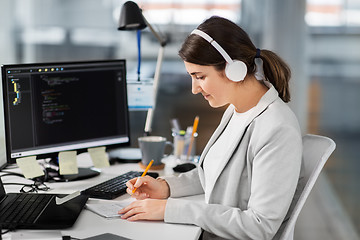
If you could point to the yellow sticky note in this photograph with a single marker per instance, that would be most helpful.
(68, 163)
(29, 167)
(99, 157)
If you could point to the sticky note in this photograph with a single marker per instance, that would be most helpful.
(68, 163)
(29, 167)
(99, 157)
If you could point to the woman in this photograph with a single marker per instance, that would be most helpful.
(249, 169)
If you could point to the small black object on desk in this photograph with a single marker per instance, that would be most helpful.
(184, 167)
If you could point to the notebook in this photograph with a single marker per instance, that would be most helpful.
(38, 210)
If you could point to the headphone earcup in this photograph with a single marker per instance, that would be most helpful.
(236, 71)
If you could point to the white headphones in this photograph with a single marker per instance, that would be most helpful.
(235, 70)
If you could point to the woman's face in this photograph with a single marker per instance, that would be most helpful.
(212, 84)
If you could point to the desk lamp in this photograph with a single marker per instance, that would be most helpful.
(131, 18)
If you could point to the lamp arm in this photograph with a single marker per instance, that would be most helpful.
(160, 39)
(150, 112)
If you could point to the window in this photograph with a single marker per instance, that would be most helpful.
(189, 12)
(333, 13)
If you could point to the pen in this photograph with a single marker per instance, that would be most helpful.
(196, 122)
(144, 173)
(175, 125)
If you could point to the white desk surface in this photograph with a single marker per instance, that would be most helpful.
(90, 224)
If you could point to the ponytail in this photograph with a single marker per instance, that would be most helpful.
(277, 72)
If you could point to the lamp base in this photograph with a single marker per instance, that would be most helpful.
(125, 155)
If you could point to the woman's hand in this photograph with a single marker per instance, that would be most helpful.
(148, 187)
(148, 209)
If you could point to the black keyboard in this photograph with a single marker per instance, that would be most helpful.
(114, 187)
(25, 208)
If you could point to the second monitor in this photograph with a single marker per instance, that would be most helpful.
(54, 107)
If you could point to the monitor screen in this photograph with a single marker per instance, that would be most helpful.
(3, 161)
(54, 107)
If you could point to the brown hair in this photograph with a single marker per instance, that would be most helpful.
(238, 45)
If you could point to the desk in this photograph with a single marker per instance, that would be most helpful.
(90, 224)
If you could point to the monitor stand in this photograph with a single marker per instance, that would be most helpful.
(125, 155)
(84, 173)
(52, 173)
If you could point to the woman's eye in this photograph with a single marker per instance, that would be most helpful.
(200, 77)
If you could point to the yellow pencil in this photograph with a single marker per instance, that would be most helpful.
(144, 173)
(195, 125)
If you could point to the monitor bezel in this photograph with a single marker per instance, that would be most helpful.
(4, 165)
(54, 155)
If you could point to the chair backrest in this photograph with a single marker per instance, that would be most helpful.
(316, 151)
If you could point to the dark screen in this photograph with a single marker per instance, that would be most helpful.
(61, 104)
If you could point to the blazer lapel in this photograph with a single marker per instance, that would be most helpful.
(224, 121)
(270, 96)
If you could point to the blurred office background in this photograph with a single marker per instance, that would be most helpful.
(320, 39)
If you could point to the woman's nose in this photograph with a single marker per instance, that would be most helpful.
(195, 87)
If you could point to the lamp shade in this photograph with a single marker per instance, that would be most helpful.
(131, 17)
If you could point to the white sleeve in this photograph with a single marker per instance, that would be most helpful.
(185, 184)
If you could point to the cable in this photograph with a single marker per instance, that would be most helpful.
(11, 166)
(37, 185)
(4, 232)
(139, 52)
(11, 228)
(7, 173)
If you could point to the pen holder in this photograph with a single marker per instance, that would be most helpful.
(181, 146)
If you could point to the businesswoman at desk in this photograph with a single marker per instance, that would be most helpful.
(249, 169)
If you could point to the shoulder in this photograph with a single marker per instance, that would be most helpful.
(277, 121)
(277, 115)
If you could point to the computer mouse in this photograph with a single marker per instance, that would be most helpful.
(184, 167)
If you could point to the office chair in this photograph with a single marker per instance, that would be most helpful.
(316, 151)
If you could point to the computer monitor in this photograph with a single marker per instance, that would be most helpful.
(3, 161)
(54, 107)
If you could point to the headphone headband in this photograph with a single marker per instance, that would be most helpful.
(235, 70)
(214, 43)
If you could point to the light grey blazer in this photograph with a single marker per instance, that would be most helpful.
(254, 187)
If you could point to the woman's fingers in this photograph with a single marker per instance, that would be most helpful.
(143, 181)
(148, 187)
(136, 217)
(138, 183)
(149, 209)
(128, 212)
(129, 185)
(137, 194)
(127, 208)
